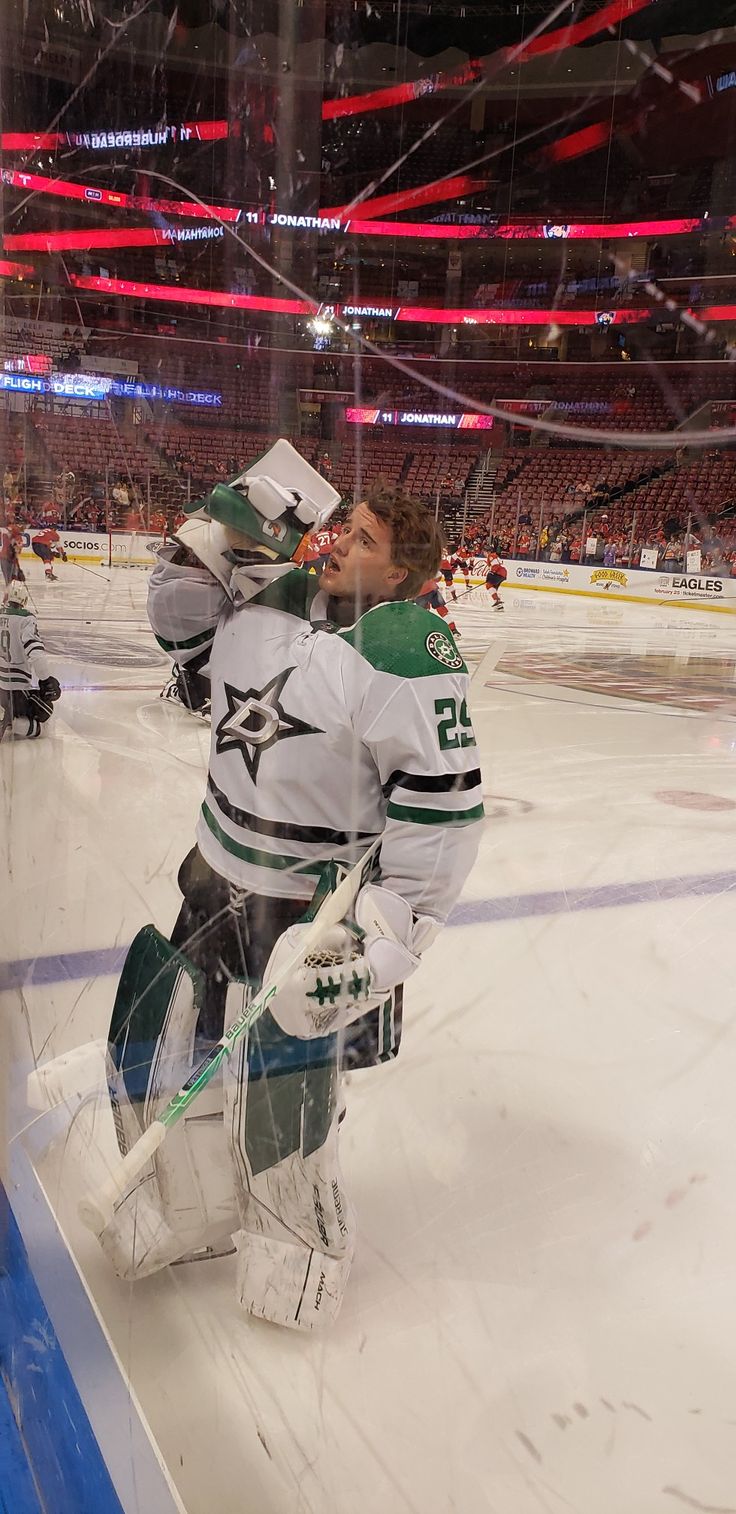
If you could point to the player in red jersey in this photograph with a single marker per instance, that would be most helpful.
(448, 573)
(47, 545)
(495, 576)
(11, 543)
(430, 597)
(460, 565)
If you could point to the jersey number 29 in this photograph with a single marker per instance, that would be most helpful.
(447, 726)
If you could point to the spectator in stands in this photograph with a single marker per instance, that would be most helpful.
(524, 544)
(8, 485)
(120, 495)
(673, 553)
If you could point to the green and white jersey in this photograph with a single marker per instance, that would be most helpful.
(22, 655)
(324, 738)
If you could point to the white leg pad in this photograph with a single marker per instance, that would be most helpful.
(287, 1283)
(138, 1240)
(69, 1078)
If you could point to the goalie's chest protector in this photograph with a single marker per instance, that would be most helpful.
(302, 725)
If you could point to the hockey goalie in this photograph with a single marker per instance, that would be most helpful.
(338, 715)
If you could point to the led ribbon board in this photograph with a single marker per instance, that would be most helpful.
(92, 386)
(100, 141)
(365, 415)
(485, 228)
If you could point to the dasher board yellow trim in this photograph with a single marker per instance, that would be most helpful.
(634, 599)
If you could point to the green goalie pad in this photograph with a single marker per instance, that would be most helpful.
(158, 1001)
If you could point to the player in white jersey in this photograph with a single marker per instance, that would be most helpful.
(339, 714)
(27, 690)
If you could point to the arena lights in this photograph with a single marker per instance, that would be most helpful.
(363, 415)
(472, 72)
(149, 136)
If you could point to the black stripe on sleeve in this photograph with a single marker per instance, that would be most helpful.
(283, 830)
(432, 783)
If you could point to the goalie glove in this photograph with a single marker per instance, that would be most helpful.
(329, 990)
(49, 689)
(271, 506)
(352, 971)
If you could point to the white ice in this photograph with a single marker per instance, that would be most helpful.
(540, 1318)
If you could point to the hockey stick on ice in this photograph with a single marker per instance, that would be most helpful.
(96, 1210)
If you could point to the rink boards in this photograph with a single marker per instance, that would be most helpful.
(102, 549)
(692, 591)
(688, 591)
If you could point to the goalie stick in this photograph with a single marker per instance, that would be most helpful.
(96, 1210)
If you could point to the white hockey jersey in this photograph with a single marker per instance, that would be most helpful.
(23, 658)
(323, 738)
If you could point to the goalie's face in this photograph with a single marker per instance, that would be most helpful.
(360, 567)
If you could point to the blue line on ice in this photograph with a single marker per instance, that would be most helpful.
(106, 960)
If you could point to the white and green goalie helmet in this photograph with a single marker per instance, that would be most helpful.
(276, 501)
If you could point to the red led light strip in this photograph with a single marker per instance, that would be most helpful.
(68, 190)
(564, 36)
(182, 296)
(33, 141)
(14, 270)
(84, 241)
(510, 231)
(578, 143)
(422, 314)
(408, 199)
(433, 315)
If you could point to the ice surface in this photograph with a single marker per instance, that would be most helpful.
(539, 1314)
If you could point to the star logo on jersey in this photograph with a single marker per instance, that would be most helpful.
(256, 720)
(443, 650)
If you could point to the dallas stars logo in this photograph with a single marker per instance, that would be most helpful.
(443, 650)
(256, 720)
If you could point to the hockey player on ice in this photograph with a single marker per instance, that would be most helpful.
(47, 545)
(11, 545)
(460, 564)
(24, 709)
(430, 597)
(495, 574)
(448, 573)
(339, 714)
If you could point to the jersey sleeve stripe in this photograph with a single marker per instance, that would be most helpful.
(258, 859)
(432, 783)
(191, 641)
(284, 830)
(434, 817)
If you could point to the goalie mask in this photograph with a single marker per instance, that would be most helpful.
(16, 594)
(276, 501)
